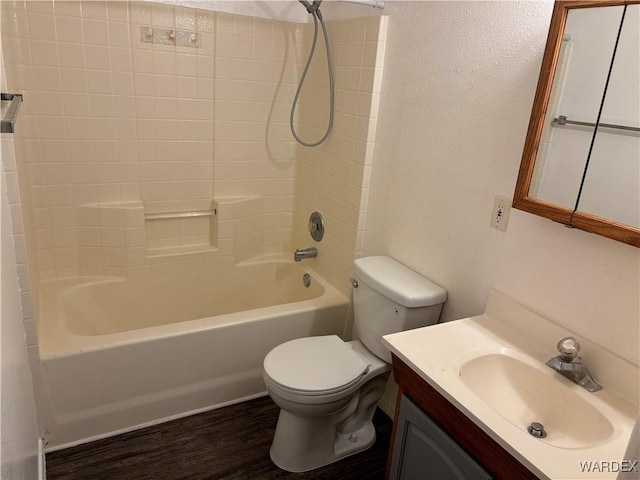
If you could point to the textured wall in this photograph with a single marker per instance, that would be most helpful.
(19, 434)
(455, 104)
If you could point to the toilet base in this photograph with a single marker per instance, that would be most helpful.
(352, 443)
(303, 443)
(325, 447)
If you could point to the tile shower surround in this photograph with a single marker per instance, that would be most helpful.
(108, 119)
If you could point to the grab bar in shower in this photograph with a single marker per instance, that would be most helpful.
(168, 215)
(9, 116)
(563, 120)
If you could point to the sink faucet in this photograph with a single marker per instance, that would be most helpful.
(305, 253)
(569, 364)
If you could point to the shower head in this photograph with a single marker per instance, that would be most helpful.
(311, 7)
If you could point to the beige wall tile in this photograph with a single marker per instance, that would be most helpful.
(41, 52)
(95, 32)
(68, 29)
(119, 34)
(135, 121)
(41, 26)
(68, 8)
(95, 9)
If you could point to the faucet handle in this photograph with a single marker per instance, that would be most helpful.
(568, 348)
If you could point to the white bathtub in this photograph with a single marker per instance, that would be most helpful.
(117, 354)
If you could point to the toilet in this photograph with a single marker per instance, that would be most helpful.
(327, 389)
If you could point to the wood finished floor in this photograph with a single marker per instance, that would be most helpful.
(228, 443)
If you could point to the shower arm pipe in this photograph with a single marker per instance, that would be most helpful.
(371, 3)
(313, 6)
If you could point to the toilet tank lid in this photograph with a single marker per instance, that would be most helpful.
(398, 283)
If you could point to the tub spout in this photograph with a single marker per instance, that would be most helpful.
(305, 253)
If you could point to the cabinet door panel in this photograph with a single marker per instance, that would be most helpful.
(423, 451)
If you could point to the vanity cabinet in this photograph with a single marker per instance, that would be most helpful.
(422, 417)
(423, 450)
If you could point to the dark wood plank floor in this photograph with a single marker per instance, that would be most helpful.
(228, 443)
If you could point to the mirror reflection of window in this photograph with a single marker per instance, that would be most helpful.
(583, 65)
(612, 183)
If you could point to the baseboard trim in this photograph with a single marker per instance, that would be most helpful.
(42, 464)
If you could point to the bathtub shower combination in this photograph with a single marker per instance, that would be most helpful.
(119, 353)
(162, 196)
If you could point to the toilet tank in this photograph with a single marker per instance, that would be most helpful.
(390, 298)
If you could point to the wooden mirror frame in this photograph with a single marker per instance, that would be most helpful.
(521, 199)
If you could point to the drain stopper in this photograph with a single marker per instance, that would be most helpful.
(536, 430)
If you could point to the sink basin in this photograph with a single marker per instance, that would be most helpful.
(491, 367)
(523, 393)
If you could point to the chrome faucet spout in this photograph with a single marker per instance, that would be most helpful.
(569, 364)
(310, 252)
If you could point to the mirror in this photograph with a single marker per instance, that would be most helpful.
(581, 159)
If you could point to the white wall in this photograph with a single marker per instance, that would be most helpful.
(18, 430)
(456, 97)
(18, 426)
(289, 10)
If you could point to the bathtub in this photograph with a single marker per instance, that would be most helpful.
(121, 353)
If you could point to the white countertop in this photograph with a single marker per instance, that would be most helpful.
(437, 352)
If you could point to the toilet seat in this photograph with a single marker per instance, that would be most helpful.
(315, 366)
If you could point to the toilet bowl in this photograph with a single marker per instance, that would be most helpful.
(324, 416)
(327, 389)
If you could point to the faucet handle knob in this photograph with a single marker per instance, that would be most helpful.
(568, 348)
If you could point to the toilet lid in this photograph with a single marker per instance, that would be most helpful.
(314, 364)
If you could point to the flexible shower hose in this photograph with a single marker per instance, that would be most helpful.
(316, 16)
